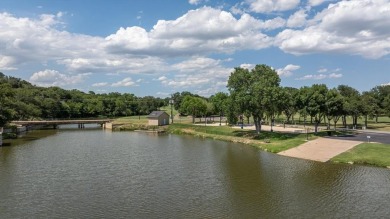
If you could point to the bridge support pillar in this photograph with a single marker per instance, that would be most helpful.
(55, 126)
(81, 125)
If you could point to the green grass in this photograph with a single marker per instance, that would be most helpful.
(269, 141)
(367, 153)
(131, 120)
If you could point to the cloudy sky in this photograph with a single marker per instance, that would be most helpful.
(158, 47)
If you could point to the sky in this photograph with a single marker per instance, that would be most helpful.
(159, 47)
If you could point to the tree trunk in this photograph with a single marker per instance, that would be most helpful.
(335, 122)
(365, 121)
(328, 125)
(316, 127)
(376, 118)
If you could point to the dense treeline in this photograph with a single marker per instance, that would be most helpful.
(255, 94)
(21, 100)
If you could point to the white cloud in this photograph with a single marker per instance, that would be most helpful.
(194, 2)
(315, 2)
(288, 70)
(201, 31)
(127, 82)
(101, 84)
(55, 78)
(322, 70)
(198, 72)
(320, 76)
(264, 6)
(274, 23)
(298, 19)
(247, 66)
(334, 75)
(351, 27)
(388, 84)
(7, 63)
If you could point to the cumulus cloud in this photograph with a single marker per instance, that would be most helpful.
(54, 78)
(247, 66)
(274, 23)
(315, 2)
(198, 72)
(201, 31)
(127, 82)
(194, 2)
(320, 76)
(298, 19)
(351, 27)
(288, 70)
(265, 6)
(101, 84)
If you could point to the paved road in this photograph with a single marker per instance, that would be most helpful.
(383, 138)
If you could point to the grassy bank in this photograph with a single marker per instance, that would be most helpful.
(366, 153)
(269, 141)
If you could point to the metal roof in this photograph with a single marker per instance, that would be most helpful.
(156, 114)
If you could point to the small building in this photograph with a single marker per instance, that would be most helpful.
(158, 118)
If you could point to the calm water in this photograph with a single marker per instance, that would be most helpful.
(102, 174)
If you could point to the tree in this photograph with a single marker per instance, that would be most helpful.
(194, 106)
(352, 104)
(316, 103)
(251, 90)
(6, 111)
(334, 107)
(288, 103)
(219, 101)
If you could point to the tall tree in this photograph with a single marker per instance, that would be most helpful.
(250, 90)
(288, 102)
(219, 101)
(316, 107)
(194, 106)
(334, 106)
(352, 104)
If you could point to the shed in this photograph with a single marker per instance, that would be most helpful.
(158, 118)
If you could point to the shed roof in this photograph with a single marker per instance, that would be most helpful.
(156, 114)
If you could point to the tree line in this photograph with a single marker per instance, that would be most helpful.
(254, 93)
(257, 94)
(20, 100)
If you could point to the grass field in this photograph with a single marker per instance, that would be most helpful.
(269, 141)
(366, 153)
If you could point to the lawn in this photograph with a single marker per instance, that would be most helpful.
(366, 153)
(269, 141)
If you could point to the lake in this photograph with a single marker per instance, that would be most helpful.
(92, 173)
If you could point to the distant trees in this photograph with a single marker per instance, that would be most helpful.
(254, 93)
(194, 106)
(6, 110)
(20, 100)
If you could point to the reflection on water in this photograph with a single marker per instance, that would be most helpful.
(70, 173)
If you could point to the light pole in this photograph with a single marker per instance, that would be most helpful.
(171, 102)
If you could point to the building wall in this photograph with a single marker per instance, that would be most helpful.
(153, 122)
(162, 120)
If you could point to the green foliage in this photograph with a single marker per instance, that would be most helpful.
(194, 106)
(366, 153)
(255, 91)
(21, 100)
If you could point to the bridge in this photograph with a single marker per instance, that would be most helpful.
(56, 123)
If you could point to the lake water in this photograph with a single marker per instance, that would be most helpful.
(92, 173)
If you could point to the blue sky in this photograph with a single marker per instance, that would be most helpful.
(158, 47)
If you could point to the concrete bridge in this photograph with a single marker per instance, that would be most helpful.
(56, 123)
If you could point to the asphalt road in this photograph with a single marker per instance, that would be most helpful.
(383, 138)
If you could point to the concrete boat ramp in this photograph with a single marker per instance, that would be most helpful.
(320, 149)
